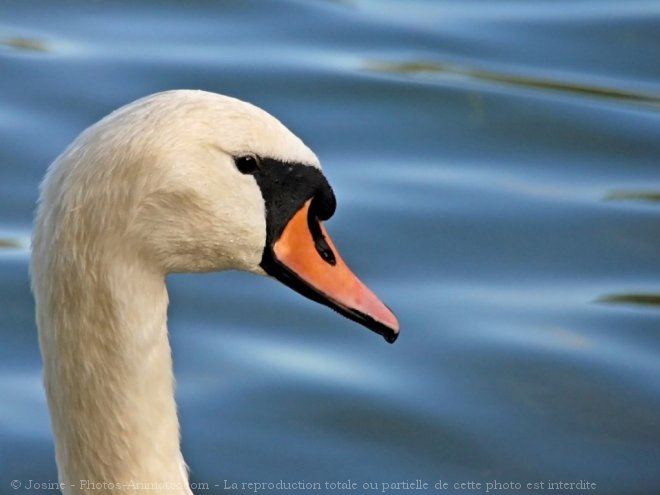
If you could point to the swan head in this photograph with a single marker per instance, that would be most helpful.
(192, 181)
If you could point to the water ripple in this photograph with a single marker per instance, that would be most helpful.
(25, 414)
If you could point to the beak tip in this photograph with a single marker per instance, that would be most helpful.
(392, 328)
(390, 332)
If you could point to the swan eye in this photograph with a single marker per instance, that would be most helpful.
(247, 164)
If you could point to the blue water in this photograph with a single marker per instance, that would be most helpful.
(497, 169)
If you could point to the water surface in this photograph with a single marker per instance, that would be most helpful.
(496, 166)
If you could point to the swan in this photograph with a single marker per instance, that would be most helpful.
(179, 181)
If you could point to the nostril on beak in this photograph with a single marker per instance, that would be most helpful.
(324, 250)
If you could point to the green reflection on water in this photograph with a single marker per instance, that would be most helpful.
(638, 299)
(10, 244)
(423, 67)
(24, 44)
(643, 196)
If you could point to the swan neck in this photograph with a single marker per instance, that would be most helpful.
(108, 376)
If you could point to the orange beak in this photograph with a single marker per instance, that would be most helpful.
(309, 263)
